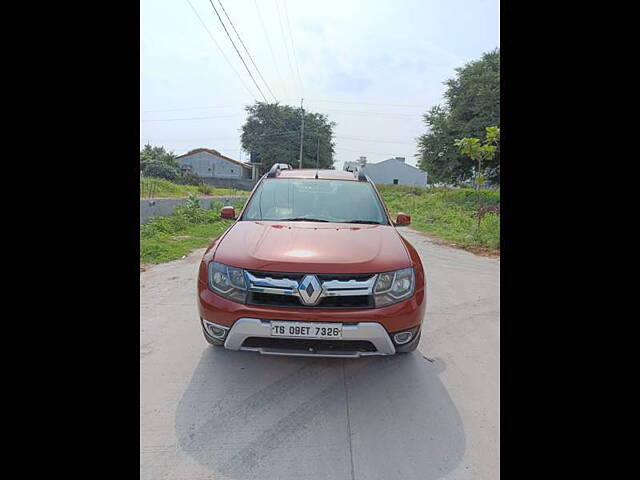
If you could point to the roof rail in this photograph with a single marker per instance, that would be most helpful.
(359, 174)
(275, 169)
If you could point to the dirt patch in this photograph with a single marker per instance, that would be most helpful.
(145, 266)
(476, 250)
(181, 237)
(482, 251)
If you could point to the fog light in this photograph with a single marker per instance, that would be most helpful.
(214, 330)
(402, 337)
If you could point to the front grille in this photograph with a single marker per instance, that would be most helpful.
(269, 299)
(343, 290)
(307, 344)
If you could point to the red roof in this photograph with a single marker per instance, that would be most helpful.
(216, 153)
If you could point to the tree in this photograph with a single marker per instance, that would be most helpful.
(272, 131)
(472, 101)
(151, 154)
(479, 151)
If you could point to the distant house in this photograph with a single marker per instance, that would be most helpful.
(209, 163)
(393, 171)
(353, 166)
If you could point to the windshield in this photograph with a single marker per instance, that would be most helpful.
(295, 199)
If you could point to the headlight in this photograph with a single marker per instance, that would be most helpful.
(228, 281)
(392, 287)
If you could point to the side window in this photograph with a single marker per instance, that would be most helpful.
(395, 181)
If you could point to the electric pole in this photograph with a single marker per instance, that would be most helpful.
(301, 130)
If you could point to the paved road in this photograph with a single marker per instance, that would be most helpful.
(210, 413)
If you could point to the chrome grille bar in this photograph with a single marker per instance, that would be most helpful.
(278, 286)
(335, 288)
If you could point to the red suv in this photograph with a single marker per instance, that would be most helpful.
(312, 266)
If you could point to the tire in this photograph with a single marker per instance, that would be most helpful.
(409, 347)
(212, 341)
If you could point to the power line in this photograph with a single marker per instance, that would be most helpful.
(237, 51)
(293, 49)
(368, 153)
(365, 113)
(284, 40)
(246, 50)
(273, 56)
(191, 118)
(372, 140)
(365, 103)
(351, 112)
(221, 51)
(188, 108)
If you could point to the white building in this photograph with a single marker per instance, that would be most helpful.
(393, 171)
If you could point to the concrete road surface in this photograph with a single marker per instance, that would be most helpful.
(209, 413)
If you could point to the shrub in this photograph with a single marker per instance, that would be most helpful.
(205, 189)
(189, 178)
(162, 170)
(216, 206)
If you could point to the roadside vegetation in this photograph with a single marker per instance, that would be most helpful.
(161, 177)
(189, 227)
(449, 213)
(161, 188)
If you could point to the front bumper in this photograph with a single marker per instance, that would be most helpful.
(375, 333)
(394, 318)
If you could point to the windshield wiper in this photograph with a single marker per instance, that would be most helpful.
(301, 219)
(371, 222)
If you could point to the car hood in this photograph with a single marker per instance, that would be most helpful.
(312, 247)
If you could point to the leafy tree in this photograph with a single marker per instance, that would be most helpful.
(156, 154)
(472, 101)
(272, 131)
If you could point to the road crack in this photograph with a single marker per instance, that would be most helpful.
(346, 392)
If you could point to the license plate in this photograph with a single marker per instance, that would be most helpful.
(306, 330)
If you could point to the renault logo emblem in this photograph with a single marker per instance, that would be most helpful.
(309, 290)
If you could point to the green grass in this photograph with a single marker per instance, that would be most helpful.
(160, 188)
(189, 227)
(447, 213)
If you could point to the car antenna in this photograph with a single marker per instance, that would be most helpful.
(318, 158)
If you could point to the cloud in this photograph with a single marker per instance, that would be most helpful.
(347, 83)
(313, 27)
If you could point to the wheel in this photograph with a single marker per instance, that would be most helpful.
(213, 341)
(409, 347)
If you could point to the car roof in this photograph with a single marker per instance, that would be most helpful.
(322, 174)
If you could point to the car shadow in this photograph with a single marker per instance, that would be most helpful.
(245, 415)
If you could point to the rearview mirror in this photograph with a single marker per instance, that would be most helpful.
(228, 212)
(402, 220)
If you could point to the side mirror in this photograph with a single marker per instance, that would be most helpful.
(228, 212)
(402, 220)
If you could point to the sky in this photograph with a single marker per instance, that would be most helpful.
(373, 66)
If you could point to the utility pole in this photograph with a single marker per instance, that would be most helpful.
(301, 131)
